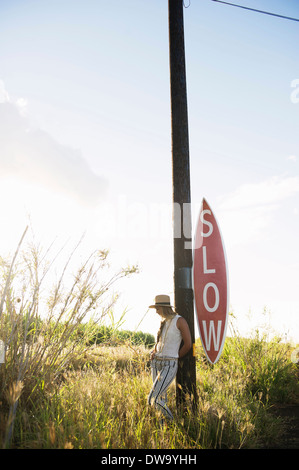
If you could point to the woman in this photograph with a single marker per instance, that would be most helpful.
(164, 357)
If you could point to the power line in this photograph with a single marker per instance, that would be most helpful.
(257, 11)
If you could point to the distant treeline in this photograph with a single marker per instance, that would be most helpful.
(106, 334)
(90, 333)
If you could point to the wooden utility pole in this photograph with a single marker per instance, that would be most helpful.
(183, 293)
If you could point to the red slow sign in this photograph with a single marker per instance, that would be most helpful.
(210, 283)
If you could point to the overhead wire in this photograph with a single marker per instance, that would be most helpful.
(257, 11)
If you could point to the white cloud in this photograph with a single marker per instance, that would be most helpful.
(4, 97)
(36, 157)
(20, 103)
(292, 158)
(266, 193)
(247, 212)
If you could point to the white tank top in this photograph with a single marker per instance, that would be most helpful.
(170, 340)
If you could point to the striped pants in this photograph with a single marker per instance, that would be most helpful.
(163, 373)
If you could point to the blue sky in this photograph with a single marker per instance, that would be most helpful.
(85, 140)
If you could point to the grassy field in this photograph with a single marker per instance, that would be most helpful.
(60, 389)
(99, 401)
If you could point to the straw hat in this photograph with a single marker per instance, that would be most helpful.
(161, 301)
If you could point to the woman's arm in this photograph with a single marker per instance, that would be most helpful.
(186, 336)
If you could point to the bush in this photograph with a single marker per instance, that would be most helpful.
(110, 335)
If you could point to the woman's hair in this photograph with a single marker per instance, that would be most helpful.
(167, 313)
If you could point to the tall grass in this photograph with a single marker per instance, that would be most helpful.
(40, 327)
(101, 402)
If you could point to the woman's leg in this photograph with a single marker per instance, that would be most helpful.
(163, 373)
(156, 367)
